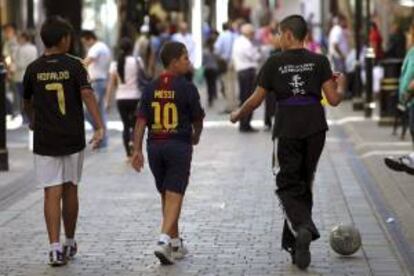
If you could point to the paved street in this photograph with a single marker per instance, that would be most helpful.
(231, 218)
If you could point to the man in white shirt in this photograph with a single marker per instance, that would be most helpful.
(26, 53)
(98, 59)
(246, 58)
(338, 47)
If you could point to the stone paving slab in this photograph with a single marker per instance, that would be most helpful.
(231, 218)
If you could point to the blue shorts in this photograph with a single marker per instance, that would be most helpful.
(170, 163)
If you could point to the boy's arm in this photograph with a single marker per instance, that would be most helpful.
(89, 99)
(197, 129)
(334, 89)
(248, 106)
(28, 109)
(28, 97)
(112, 83)
(137, 156)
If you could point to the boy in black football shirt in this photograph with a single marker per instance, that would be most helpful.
(55, 85)
(170, 108)
(297, 77)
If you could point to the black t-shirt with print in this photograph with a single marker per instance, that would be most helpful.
(55, 83)
(296, 77)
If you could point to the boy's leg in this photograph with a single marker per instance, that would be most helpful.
(292, 192)
(52, 211)
(315, 145)
(174, 233)
(172, 210)
(70, 209)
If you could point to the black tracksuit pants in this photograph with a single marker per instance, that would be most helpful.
(298, 159)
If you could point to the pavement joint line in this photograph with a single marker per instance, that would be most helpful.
(351, 217)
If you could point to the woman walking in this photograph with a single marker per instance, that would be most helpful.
(124, 79)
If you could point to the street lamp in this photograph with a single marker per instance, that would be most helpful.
(4, 163)
(369, 66)
(357, 87)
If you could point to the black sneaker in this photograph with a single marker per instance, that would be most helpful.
(400, 164)
(302, 253)
(56, 258)
(70, 251)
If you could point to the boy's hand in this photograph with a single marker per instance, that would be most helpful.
(234, 116)
(107, 105)
(340, 80)
(31, 125)
(137, 161)
(97, 138)
(195, 139)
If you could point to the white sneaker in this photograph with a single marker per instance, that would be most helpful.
(180, 251)
(56, 258)
(163, 253)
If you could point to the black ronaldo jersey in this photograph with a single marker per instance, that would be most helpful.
(54, 82)
(169, 106)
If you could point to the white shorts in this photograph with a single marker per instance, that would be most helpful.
(56, 170)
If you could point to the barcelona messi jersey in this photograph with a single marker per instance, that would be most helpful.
(170, 105)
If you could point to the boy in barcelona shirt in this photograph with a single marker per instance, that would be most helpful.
(170, 109)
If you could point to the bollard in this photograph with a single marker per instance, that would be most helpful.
(4, 156)
(389, 91)
(369, 66)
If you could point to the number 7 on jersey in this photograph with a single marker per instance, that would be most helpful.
(58, 87)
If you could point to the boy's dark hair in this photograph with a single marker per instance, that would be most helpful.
(170, 51)
(297, 25)
(53, 30)
(88, 34)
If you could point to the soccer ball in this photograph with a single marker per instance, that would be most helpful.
(345, 239)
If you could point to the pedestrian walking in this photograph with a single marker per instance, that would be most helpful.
(246, 58)
(297, 77)
(170, 108)
(210, 64)
(26, 53)
(270, 100)
(123, 76)
(223, 48)
(98, 59)
(9, 49)
(339, 48)
(55, 85)
(406, 96)
(186, 38)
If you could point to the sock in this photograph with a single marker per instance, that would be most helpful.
(164, 238)
(56, 246)
(176, 242)
(70, 242)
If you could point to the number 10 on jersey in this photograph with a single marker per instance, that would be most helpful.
(169, 114)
